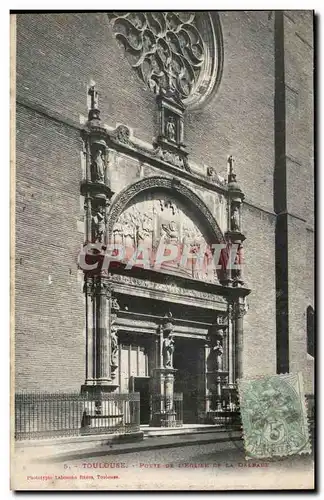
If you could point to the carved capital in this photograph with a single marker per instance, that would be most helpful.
(101, 286)
(239, 310)
(88, 288)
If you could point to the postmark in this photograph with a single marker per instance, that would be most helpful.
(274, 416)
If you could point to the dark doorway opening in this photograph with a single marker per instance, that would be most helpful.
(186, 362)
(141, 385)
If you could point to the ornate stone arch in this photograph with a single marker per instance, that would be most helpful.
(188, 197)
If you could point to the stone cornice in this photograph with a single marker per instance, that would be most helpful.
(127, 145)
(142, 277)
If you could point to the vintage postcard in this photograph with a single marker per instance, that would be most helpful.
(162, 208)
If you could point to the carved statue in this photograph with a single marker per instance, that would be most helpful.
(170, 231)
(99, 225)
(128, 225)
(114, 304)
(94, 97)
(114, 346)
(98, 165)
(144, 230)
(235, 219)
(168, 350)
(218, 350)
(171, 129)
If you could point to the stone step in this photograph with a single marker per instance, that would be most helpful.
(176, 431)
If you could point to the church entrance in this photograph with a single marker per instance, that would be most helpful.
(141, 385)
(186, 362)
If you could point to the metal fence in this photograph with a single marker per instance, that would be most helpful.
(224, 413)
(166, 411)
(47, 415)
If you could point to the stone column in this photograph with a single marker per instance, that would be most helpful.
(168, 392)
(87, 218)
(90, 330)
(216, 375)
(230, 345)
(102, 301)
(239, 311)
(114, 347)
(163, 383)
(101, 335)
(207, 392)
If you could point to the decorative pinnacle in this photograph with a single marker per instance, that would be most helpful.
(230, 161)
(231, 177)
(94, 113)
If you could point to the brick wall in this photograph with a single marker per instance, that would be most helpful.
(49, 319)
(298, 29)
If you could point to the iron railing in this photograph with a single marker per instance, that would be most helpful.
(49, 415)
(220, 413)
(166, 411)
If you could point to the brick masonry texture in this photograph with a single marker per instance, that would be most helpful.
(49, 302)
(57, 56)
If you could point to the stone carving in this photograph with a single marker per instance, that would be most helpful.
(114, 346)
(98, 224)
(98, 164)
(214, 177)
(169, 232)
(175, 159)
(144, 229)
(94, 112)
(167, 325)
(149, 183)
(128, 222)
(133, 227)
(101, 286)
(122, 134)
(88, 287)
(218, 350)
(171, 129)
(165, 48)
(235, 219)
(239, 309)
(94, 97)
(114, 304)
(178, 52)
(168, 204)
(168, 350)
(166, 287)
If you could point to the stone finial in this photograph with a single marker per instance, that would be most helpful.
(94, 113)
(231, 177)
(230, 161)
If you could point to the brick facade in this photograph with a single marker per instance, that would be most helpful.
(57, 56)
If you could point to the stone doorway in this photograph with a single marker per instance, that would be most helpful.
(141, 385)
(187, 377)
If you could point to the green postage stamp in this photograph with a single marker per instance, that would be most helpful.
(274, 416)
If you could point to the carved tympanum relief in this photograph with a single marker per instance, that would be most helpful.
(161, 219)
(177, 51)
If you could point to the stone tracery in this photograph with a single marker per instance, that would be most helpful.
(167, 50)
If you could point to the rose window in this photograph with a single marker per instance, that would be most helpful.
(180, 51)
